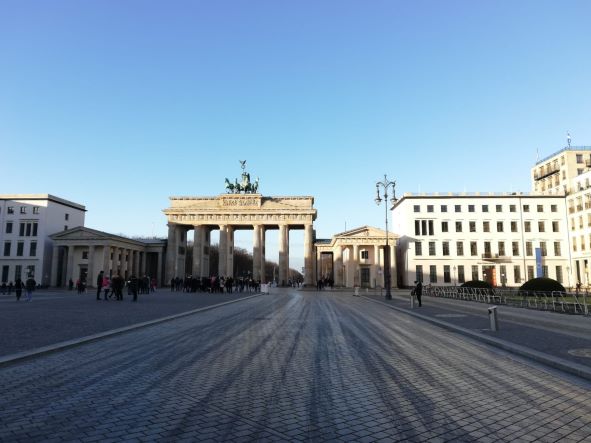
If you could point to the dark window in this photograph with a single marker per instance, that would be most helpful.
(512, 208)
(515, 248)
(28, 234)
(470, 208)
(419, 273)
(525, 208)
(20, 248)
(433, 274)
(416, 208)
(472, 225)
(444, 227)
(446, 275)
(458, 208)
(33, 249)
(35, 209)
(364, 255)
(458, 226)
(417, 227)
(529, 251)
(486, 226)
(554, 226)
(23, 209)
(473, 249)
(443, 208)
(484, 208)
(10, 210)
(21, 230)
(67, 217)
(460, 248)
(431, 227)
(553, 208)
(418, 248)
(499, 226)
(461, 277)
(499, 208)
(501, 246)
(540, 208)
(445, 248)
(9, 227)
(541, 226)
(517, 274)
(431, 248)
(429, 208)
(527, 226)
(34, 229)
(513, 226)
(7, 248)
(84, 255)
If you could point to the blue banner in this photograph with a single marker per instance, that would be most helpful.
(539, 271)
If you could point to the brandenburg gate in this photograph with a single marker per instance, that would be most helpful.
(228, 213)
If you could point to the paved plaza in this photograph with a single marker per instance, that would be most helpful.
(289, 366)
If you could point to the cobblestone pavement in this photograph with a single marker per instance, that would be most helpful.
(58, 315)
(290, 367)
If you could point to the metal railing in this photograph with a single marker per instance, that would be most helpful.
(564, 302)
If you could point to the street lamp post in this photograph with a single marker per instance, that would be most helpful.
(385, 184)
(454, 268)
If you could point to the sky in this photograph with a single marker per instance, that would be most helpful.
(119, 105)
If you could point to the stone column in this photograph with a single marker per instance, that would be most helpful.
(230, 253)
(70, 265)
(205, 256)
(90, 280)
(223, 252)
(283, 254)
(256, 253)
(54, 265)
(106, 259)
(171, 254)
(144, 258)
(159, 281)
(136, 263)
(338, 266)
(308, 255)
(124, 266)
(198, 251)
(182, 252)
(393, 276)
(356, 279)
(263, 261)
(377, 266)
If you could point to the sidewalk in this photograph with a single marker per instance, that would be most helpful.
(66, 317)
(559, 340)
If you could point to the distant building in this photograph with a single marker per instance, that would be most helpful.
(505, 239)
(26, 224)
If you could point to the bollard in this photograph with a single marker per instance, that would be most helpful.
(494, 321)
(356, 291)
(412, 301)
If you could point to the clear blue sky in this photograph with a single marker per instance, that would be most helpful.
(120, 104)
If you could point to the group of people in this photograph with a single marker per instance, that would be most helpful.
(325, 282)
(113, 287)
(29, 286)
(214, 284)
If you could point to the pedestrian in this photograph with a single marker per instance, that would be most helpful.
(3, 288)
(18, 287)
(117, 284)
(99, 286)
(30, 287)
(70, 284)
(133, 286)
(419, 292)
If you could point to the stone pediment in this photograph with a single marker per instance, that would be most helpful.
(81, 233)
(364, 232)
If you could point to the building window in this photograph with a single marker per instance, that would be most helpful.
(443, 208)
(527, 226)
(487, 249)
(444, 226)
(445, 248)
(499, 208)
(501, 246)
(513, 226)
(515, 248)
(20, 248)
(33, 249)
(429, 208)
(431, 248)
(35, 209)
(557, 251)
(421, 227)
(65, 227)
(559, 274)
(7, 248)
(364, 254)
(503, 270)
(5, 271)
(579, 171)
(10, 210)
(458, 226)
(541, 226)
(472, 226)
(18, 271)
(84, 255)
(31, 271)
(499, 226)
(516, 274)
(554, 208)
(458, 208)
(34, 229)
(540, 208)
(529, 250)
(512, 208)
(545, 271)
(486, 226)
(579, 158)
(416, 208)
(530, 272)
(419, 273)
(417, 227)
(418, 248)
(432, 274)
(21, 230)
(23, 209)
(446, 274)
(9, 227)
(473, 249)
(460, 248)
(461, 277)
(543, 248)
(555, 226)
(484, 208)
(474, 272)
(525, 208)
(470, 208)
(66, 217)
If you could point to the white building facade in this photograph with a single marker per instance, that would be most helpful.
(26, 223)
(505, 239)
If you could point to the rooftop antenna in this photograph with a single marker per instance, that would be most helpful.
(537, 155)
(568, 138)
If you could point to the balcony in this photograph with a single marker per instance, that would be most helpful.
(487, 256)
(548, 173)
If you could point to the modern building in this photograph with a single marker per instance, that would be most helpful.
(554, 174)
(356, 258)
(505, 239)
(26, 223)
(81, 253)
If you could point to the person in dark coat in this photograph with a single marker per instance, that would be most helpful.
(419, 292)
(18, 287)
(30, 286)
(117, 284)
(99, 286)
(133, 286)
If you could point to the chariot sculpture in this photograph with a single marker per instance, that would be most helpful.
(245, 184)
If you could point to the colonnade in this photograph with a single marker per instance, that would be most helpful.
(177, 247)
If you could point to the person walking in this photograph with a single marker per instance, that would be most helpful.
(99, 286)
(30, 287)
(419, 292)
(133, 286)
(18, 287)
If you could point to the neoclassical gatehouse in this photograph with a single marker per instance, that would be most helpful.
(356, 257)
(81, 253)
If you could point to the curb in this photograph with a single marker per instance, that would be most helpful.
(25, 355)
(540, 357)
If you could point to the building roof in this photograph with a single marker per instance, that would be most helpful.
(48, 197)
